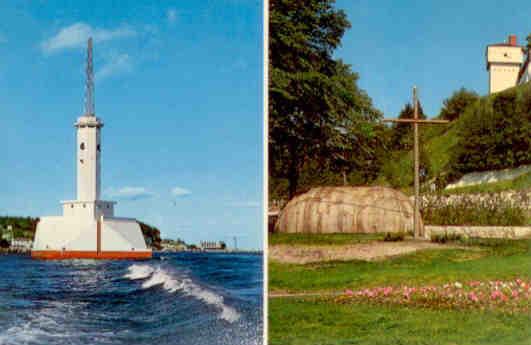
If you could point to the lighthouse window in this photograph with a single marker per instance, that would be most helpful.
(98, 148)
(82, 146)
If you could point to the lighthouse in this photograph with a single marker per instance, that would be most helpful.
(88, 228)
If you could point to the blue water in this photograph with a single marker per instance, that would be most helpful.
(181, 298)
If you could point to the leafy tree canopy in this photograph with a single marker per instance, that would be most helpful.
(495, 132)
(316, 110)
(402, 133)
(456, 104)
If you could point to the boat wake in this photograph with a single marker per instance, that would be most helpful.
(157, 276)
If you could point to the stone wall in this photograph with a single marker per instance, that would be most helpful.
(480, 231)
(516, 198)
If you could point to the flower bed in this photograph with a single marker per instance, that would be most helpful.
(507, 296)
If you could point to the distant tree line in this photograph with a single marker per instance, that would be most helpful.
(151, 235)
(25, 227)
(22, 227)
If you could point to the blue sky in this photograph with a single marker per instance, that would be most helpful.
(437, 45)
(179, 87)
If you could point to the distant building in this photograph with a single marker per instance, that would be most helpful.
(213, 245)
(171, 245)
(23, 244)
(508, 65)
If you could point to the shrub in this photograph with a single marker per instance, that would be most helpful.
(490, 210)
(446, 237)
(394, 236)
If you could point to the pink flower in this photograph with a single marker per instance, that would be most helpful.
(472, 296)
(349, 292)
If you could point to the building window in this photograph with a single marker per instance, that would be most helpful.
(71, 205)
(84, 205)
(82, 146)
(98, 148)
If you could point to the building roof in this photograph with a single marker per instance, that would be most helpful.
(505, 44)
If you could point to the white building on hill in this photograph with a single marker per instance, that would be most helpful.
(508, 65)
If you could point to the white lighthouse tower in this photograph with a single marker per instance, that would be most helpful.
(88, 228)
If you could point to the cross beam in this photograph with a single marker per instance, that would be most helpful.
(415, 121)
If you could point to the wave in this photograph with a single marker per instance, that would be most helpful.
(160, 277)
(139, 272)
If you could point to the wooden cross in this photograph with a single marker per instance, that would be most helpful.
(417, 230)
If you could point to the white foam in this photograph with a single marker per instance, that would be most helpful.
(139, 272)
(159, 276)
(40, 325)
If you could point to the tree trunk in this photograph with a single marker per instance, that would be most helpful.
(293, 179)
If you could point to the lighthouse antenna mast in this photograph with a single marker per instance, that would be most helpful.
(89, 83)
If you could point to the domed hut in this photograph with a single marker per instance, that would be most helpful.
(349, 210)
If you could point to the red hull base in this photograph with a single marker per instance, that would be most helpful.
(73, 254)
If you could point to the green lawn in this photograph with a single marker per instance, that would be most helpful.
(323, 239)
(485, 259)
(310, 321)
(321, 320)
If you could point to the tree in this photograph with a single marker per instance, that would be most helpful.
(402, 133)
(528, 46)
(456, 104)
(494, 133)
(316, 110)
(4, 244)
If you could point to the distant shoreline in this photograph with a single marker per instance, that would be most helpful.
(18, 252)
(252, 252)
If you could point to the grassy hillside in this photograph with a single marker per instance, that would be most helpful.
(440, 144)
(522, 182)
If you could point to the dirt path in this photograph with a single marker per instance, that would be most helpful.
(373, 251)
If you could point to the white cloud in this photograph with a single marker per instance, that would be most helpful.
(117, 64)
(171, 16)
(179, 192)
(76, 35)
(129, 193)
